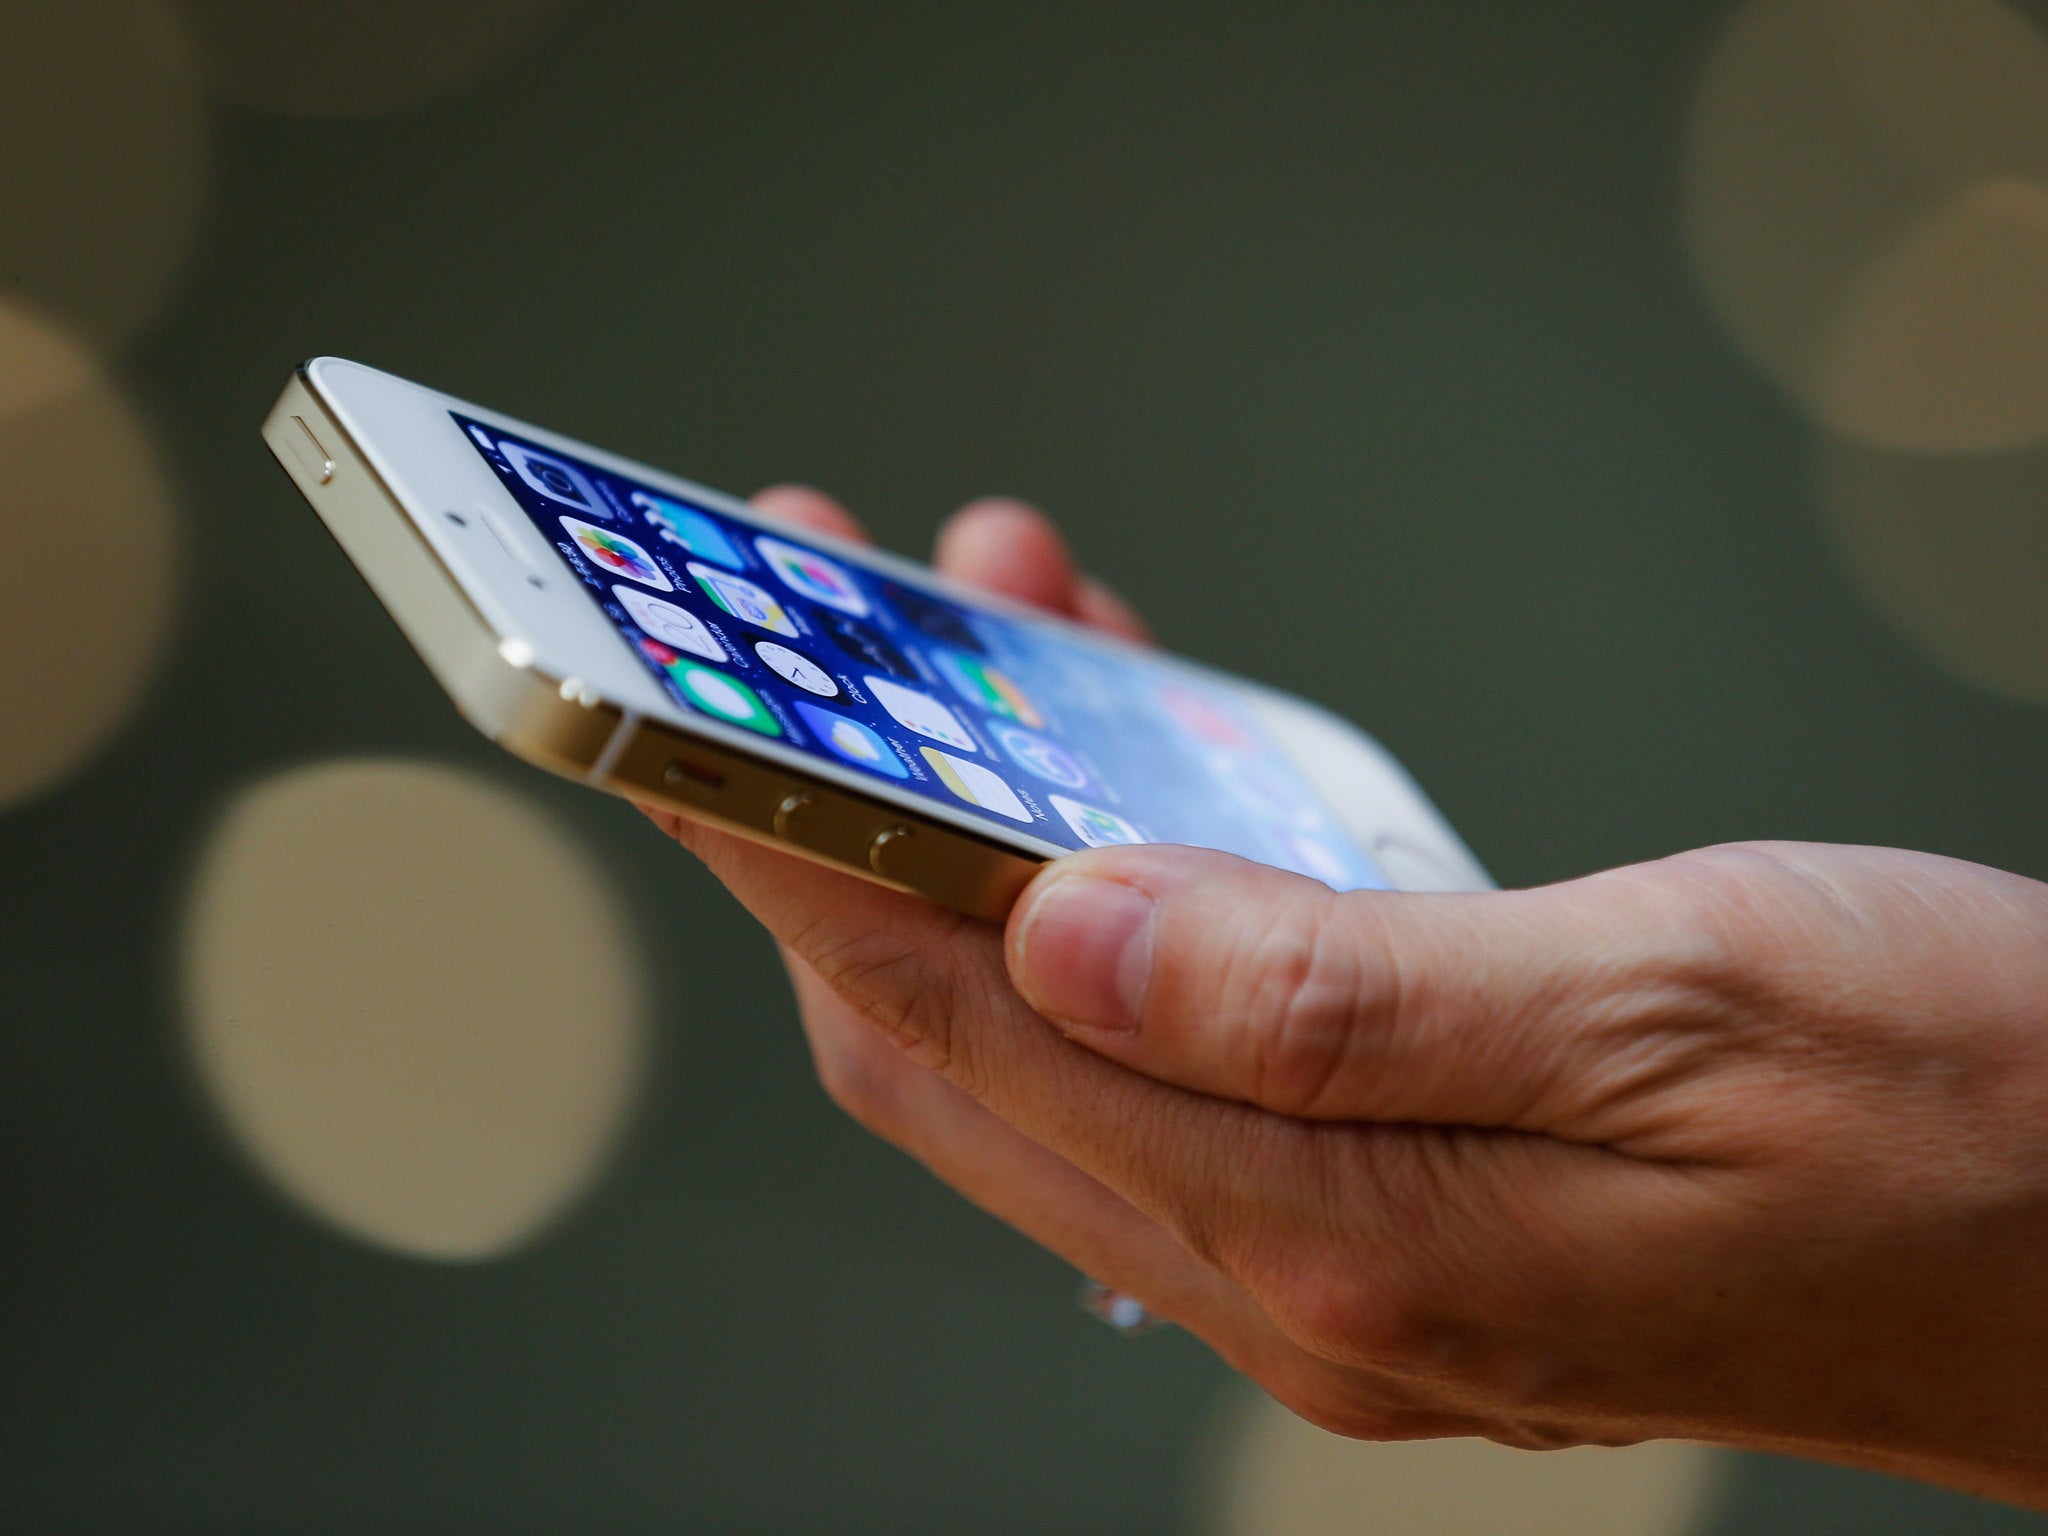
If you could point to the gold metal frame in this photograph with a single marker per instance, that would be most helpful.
(563, 727)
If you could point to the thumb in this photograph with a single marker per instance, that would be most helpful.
(1530, 1010)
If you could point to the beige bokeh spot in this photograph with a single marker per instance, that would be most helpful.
(1280, 1476)
(1941, 345)
(355, 58)
(415, 1002)
(1953, 550)
(103, 172)
(88, 556)
(1863, 206)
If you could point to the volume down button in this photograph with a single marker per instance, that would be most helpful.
(886, 853)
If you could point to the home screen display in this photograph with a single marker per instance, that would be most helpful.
(1012, 722)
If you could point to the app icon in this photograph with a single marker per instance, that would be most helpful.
(975, 784)
(1205, 719)
(811, 574)
(618, 554)
(1041, 756)
(796, 667)
(688, 529)
(866, 643)
(556, 479)
(742, 599)
(669, 624)
(921, 713)
(726, 697)
(940, 620)
(1095, 826)
(852, 740)
(979, 683)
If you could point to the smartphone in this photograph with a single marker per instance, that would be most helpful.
(651, 637)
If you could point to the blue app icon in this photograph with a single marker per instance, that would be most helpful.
(1040, 755)
(689, 530)
(853, 741)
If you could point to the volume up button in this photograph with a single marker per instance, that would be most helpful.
(787, 812)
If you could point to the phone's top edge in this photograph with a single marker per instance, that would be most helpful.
(320, 362)
(734, 505)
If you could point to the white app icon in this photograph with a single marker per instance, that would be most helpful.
(802, 570)
(554, 478)
(922, 713)
(975, 784)
(796, 667)
(1095, 826)
(742, 599)
(671, 625)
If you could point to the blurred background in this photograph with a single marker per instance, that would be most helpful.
(1636, 415)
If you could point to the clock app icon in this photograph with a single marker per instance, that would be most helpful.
(795, 667)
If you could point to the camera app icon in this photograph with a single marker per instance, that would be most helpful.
(554, 478)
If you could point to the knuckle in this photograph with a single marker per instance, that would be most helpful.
(1340, 1317)
(1700, 978)
(1721, 916)
(1307, 1004)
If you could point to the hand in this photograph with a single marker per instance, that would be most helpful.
(1746, 1145)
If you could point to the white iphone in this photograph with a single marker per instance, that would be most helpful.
(662, 641)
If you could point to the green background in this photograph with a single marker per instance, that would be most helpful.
(1353, 342)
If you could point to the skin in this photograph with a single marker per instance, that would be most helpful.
(1748, 1145)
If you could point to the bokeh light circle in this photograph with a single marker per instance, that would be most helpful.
(354, 58)
(104, 170)
(1281, 1476)
(88, 556)
(1941, 345)
(415, 1002)
(1863, 206)
(1954, 550)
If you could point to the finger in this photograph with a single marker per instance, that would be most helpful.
(808, 508)
(1009, 547)
(934, 982)
(1516, 1010)
(1020, 1182)
(1100, 608)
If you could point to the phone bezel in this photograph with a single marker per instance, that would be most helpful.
(407, 434)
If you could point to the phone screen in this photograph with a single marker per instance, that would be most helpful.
(1016, 723)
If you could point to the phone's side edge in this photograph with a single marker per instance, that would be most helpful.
(770, 805)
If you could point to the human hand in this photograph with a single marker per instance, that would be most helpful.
(1746, 1145)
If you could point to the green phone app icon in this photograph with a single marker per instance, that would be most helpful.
(726, 697)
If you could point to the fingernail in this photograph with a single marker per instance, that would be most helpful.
(1085, 952)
